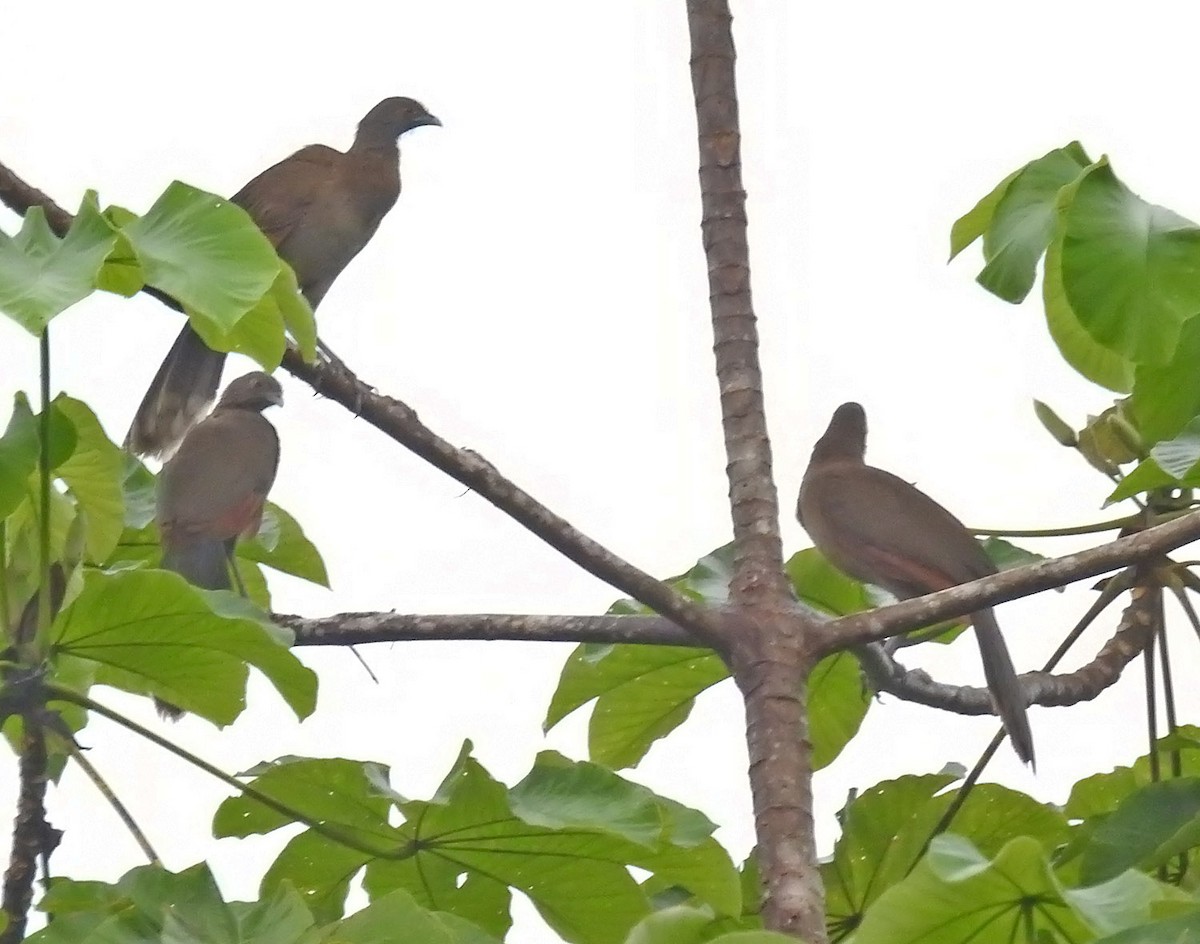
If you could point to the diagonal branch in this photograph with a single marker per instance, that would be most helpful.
(400, 422)
(754, 503)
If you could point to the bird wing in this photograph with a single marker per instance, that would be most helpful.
(881, 529)
(278, 198)
(215, 485)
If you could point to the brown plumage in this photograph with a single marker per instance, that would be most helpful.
(880, 529)
(319, 208)
(212, 491)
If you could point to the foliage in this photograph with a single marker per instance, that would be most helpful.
(603, 859)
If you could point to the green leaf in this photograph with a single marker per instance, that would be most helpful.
(281, 918)
(1088, 356)
(1150, 827)
(577, 879)
(94, 474)
(956, 895)
(1062, 431)
(1006, 555)
(1166, 396)
(1129, 268)
(686, 924)
(205, 252)
(297, 315)
(336, 792)
(819, 584)
(642, 693)
(886, 828)
(1181, 929)
(1023, 222)
(1146, 476)
(151, 631)
(396, 918)
(41, 275)
(281, 544)
(152, 904)
(1177, 457)
(565, 837)
(838, 700)
(975, 222)
(18, 455)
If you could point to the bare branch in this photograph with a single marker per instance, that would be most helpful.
(346, 629)
(754, 503)
(874, 625)
(400, 422)
(1135, 632)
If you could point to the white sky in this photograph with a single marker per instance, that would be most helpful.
(539, 295)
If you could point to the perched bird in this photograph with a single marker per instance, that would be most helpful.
(211, 492)
(880, 529)
(318, 208)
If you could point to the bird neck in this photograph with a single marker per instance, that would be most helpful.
(376, 140)
(836, 449)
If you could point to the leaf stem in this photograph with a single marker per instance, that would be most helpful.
(58, 693)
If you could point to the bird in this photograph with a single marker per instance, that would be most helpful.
(212, 490)
(879, 529)
(319, 208)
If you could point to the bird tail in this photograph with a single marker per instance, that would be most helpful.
(167, 711)
(185, 384)
(1007, 693)
(202, 563)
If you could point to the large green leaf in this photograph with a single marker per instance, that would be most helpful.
(956, 894)
(1089, 357)
(885, 830)
(1181, 929)
(282, 544)
(151, 904)
(642, 693)
(1150, 827)
(152, 632)
(205, 252)
(1129, 268)
(1166, 396)
(1023, 220)
(396, 918)
(94, 473)
(685, 924)
(42, 275)
(564, 837)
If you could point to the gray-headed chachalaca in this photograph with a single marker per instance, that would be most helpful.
(880, 529)
(211, 492)
(318, 207)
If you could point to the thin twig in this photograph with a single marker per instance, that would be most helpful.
(114, 801)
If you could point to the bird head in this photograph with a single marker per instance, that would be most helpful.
(253, 391)
(394, 116)
(846, 435)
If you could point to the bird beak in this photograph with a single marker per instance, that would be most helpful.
(277, 399)
(427, 120)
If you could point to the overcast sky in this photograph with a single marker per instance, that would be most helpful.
(539, 295)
